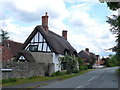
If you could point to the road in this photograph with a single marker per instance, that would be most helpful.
(102, 78)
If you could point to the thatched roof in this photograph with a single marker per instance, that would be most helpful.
(57, 43)
(27, 54)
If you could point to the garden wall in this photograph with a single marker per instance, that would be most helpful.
(24, 69)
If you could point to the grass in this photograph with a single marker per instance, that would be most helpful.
(118, 71)
(42, 78)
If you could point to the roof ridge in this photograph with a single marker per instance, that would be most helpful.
(14, 41)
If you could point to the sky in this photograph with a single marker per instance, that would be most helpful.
(85, 21)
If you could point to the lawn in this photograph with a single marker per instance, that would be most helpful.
(7, 82)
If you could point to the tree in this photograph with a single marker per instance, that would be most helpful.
(4, 36)
(114, 21)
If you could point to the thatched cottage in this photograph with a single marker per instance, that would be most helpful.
(45, 46)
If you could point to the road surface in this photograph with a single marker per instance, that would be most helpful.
(102, 78)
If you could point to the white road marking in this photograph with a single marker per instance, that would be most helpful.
(91, 79)
(79, 87)
(86, 82)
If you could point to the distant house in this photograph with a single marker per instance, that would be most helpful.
(87, 56)
(9, 50)
(45, 46)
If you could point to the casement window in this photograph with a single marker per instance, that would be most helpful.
(33, 47)
(38, 43)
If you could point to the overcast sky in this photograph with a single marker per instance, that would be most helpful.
(85, 21)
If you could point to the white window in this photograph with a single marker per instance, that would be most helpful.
(22, 58)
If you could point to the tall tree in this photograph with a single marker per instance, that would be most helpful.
(4, 36)
(114, 21)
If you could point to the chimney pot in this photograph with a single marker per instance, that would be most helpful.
(64, 34)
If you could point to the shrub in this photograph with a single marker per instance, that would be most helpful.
(69, 72)
(84, 67)
(9, 80)
(58, 73)
(75, 71)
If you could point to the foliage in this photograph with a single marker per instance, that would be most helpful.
(84, 67)
(80, 61)
(113, 61)
(58, 73)
(114, 21)
(113, 5)
(4, 36)
(75, 71)
(81, 65)
(9, 80)
(71, 63)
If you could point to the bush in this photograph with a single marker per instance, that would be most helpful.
(58, 73)
(69, 72)
(9, 80)
(84, 67)
(75, 71)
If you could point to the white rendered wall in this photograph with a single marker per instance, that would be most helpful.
(56, 61)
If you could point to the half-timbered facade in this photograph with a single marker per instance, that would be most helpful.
(45, 46)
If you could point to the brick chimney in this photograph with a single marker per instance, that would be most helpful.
(64, 34)
(45, 22)
(87, 49)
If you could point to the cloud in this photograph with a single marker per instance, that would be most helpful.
(83, 31)
(89, 33)
(15, 14)
(72, 1)
(31, 10)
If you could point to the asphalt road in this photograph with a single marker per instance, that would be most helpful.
(102, 78)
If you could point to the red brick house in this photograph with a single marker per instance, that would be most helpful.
(87, 56)
(9, 50)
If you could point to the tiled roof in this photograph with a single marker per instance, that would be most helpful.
(87, 55)
(10, 49)
(13, 46)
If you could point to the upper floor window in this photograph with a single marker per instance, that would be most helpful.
(33, 47)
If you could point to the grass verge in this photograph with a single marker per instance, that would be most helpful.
(43, 78)
(118, 71)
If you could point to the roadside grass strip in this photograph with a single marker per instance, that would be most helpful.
(41, 78)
